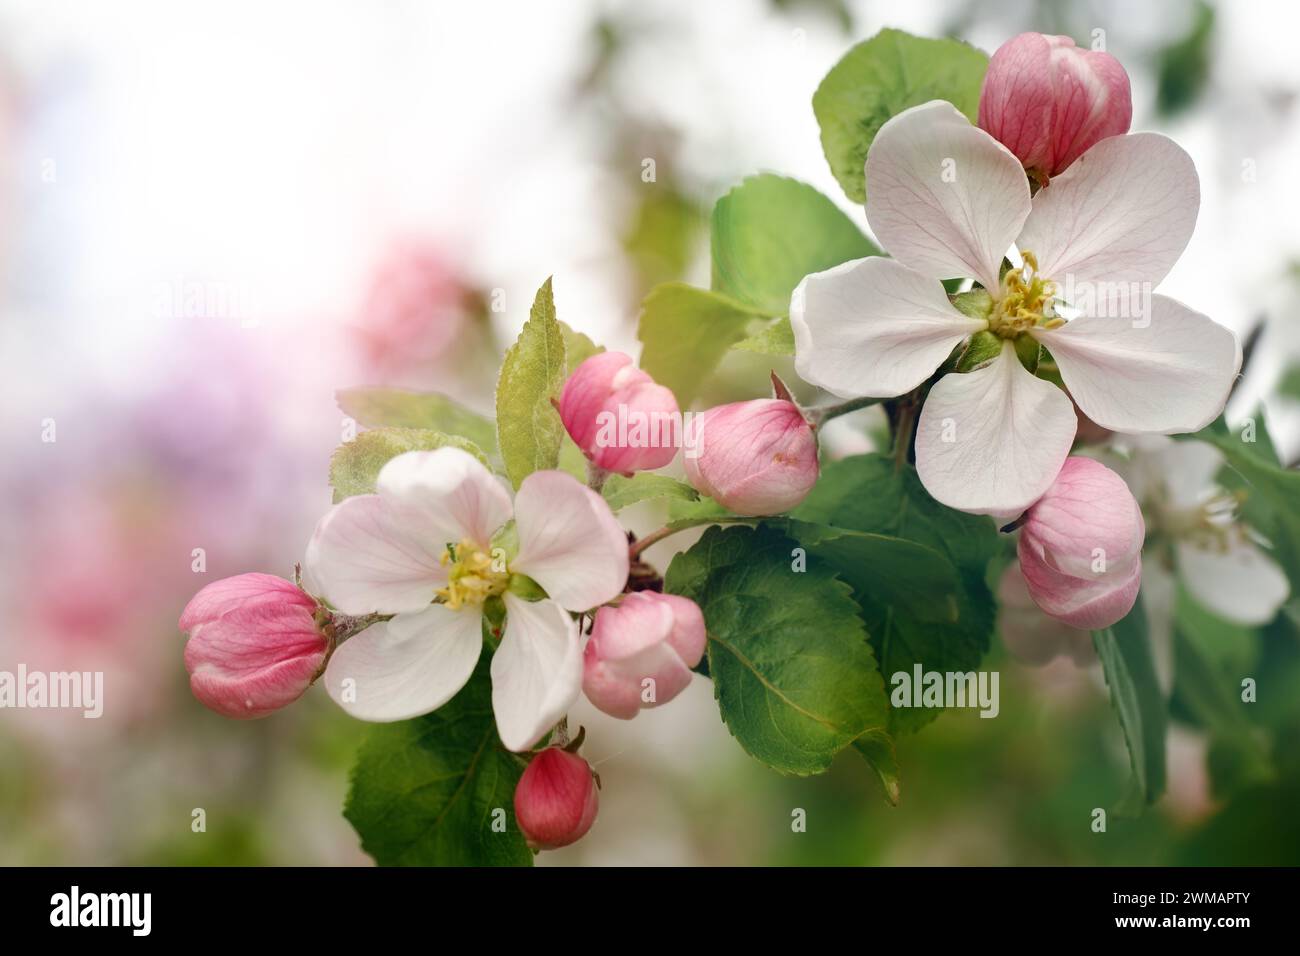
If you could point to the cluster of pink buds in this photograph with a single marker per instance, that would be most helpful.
(754, 458)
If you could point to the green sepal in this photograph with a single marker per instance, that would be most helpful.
(983, 348)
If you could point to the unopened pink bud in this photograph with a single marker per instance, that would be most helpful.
(254, 644)
(1048, 101)
(618, 416)
(556, 799)
(1080, 547)
(641, 652)
(754, 458)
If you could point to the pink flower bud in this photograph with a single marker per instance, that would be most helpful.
(1048, 101)
(254, 645)
(618, 416)
(1080, 547)
(556, 800)
(754, 458)
(641, 652)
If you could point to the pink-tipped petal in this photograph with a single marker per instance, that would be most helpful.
(993, 440)
(569, 541)
(536, 672)
(873, 327)
(944, 197)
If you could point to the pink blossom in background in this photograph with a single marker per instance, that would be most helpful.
(416, 307)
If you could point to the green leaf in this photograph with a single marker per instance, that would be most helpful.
(1289, 385)
(913, 578)
(1125, 652)
(878, 79)
(529, 430)
(685, 332)
(1211, 656)
(620, 492)
(1183, 67)
(774, 339)
(426, 792)
(769, 232)
(877, 749)
(794, 676)
(868, 493)
(355, 465)
(1258, 828)
(577, 348)
(400, 408)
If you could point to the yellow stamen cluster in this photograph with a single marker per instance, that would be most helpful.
(1024, 302)
(474, 576)
(1211, 525)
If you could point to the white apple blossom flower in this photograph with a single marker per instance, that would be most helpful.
(1195, 532)
(432, 547)
(947, 200)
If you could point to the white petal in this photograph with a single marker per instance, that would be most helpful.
(1240, 584)
(366, 558)
(1123, 212)
(408, 666)
(993, 440)
(1188, 472)
(1169, 374)
(569, 541)
(943, 196)
(536, 672)
(873, 327)
(448, 489)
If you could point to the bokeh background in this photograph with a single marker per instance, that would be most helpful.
(214, 214)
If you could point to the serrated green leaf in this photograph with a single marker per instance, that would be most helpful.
(1125, 653)
(793, 673)
(401, 408)
(620, 492)
(880, 78)
(529, 430)
(685, 331)
(355, 465)
(774, 339)
(911, 577)
(427, 792)
(869, 493)
(769, 232)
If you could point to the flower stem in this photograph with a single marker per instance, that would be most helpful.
(824, 413)
(906, 424)
(343, 626)
(636, 547)
(596, 477)
(560, 735)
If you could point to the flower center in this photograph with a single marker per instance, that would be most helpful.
(1025, 302)
(1210, 525)
(473, 575)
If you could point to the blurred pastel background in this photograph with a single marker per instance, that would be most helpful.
(212, 215)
